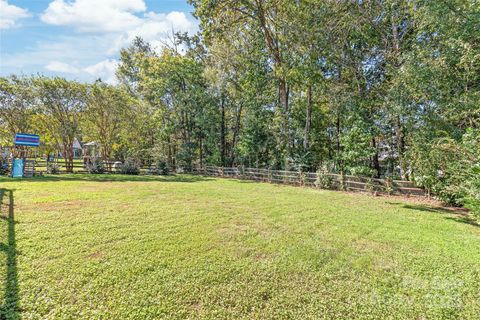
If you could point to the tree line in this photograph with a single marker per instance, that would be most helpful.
(373, 88)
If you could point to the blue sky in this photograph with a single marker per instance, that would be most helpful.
(80, 39)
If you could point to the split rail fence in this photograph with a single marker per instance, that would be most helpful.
(312, 179)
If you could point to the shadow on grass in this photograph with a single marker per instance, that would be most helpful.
(9, 309)
(427, 208)
(465, 219)
(455, 214)
(112, 178)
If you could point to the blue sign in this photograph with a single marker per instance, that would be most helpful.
(29, 140)
(17, 168)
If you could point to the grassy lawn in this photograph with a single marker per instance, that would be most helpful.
(118, 247)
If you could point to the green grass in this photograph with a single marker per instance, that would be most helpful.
(117, 247)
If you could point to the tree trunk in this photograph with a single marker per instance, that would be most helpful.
(283, 95)
(400, 139)
(286, 139)
(338, 147)
(68, 155)
(375, 161)
(236, 132)
(201, 152)
(222, 132)
(308, 119)
(169, 153)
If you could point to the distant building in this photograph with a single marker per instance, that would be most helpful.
(77, 148)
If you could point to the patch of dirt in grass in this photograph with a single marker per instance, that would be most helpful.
(431, 202)
(58, 205)
(197, 306)
(97, 255)
(261, 256)
(364, 245)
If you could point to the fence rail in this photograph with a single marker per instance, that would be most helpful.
(41, 166)
(312, 179)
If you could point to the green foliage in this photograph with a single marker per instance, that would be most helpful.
(357, 149)
(16, 100)
(375, 88)
(61, 103)
(131, 166)
(4, 166)
(370, 185)
(53, 168)
(449, 168)
(96, 166)
(108, 109)
(324, 180)
(160, 168)
(389, 185)
(470, 187)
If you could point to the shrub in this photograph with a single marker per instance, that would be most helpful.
(450, 169)
(161, 168)
(324, 180)
(53, 168)
(96, 166)
(131, 166)
(302, 178)
(389, 186)
(4, 170)
(370, 186)
(185, 157)
(471, 197)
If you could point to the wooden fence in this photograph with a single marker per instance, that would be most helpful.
(312, 179)
(41, 166)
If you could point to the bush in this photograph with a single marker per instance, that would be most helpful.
(471, 197)
(370, 186)
(450, 169)
(185, 157)
(161, 168)
(53, 168)
(96, 166)
(324, 180)
(131, 166)
(4, 170)
(389, 186)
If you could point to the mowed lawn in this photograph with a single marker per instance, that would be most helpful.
(119, 247)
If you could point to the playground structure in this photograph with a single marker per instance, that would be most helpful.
(23, 155)
(90, 151)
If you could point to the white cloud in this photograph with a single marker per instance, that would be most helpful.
(102, 28)
(104, 69)
(95, 15)
(157, 28)
(118, 17)
(75, 49)
(9, 14)
(57, 66)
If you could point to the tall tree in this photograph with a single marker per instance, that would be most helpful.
(62, 102)
(108, 108)
(16, 104)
